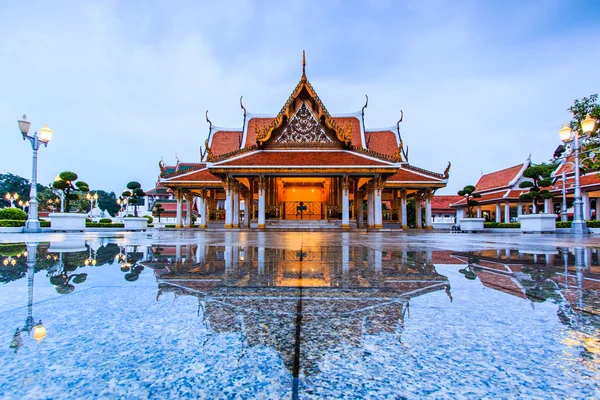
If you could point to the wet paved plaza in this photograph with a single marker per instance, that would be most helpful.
(299, 315)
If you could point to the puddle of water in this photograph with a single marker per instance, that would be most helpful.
(317, 320)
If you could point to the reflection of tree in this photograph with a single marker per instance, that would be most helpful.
(62, 274)
(129, 263)
(469, 271)
(540, 287)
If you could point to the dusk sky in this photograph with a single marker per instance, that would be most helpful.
(482, 83)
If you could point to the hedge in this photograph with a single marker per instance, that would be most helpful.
(13, 214)
(44, 224)
(102, 225)
(149, 218)
(509, 225)
(12, 249)
(11, 223)
(105, 221)
(563, 224)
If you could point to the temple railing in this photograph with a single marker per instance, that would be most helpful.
(314, 209)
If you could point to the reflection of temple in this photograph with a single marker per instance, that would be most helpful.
(325, 296)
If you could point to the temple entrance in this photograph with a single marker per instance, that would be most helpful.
(305, 198)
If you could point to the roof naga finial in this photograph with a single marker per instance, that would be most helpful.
(242, 106)
(447, 171)
(366, 104)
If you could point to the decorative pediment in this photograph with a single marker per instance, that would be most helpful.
(303, 95)
(303, 128)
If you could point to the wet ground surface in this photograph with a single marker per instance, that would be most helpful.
(299, 315)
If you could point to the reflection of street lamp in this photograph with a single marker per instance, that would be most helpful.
(12, 197)
(566, 134)
(33, 223)
(39, 331)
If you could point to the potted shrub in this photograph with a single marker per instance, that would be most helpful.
(540, 178)
(134, 194)
(470, 223)
(158, 208)
(67, 183)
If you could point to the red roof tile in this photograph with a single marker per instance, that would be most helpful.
(356, 133)
(197, 176)
(442, 203)
(382, 142)
(303, 158)
(498, 179)
(409, 176)
(225, 142)
(251, 130)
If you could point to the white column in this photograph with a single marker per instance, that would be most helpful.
(370, 204)
(498, 213)
(188, 210)
(586, 205)
(236, 207)
(261, 203)
(597, 208)
(378, 212)
(404, 214)
(358, 199)
(548, 206)
(345, 206)
(506, 212)
(478, 211)
(228, 206)
(428, 220)
(418, 211)
(460, 214)
(179, 210)
(519, 208)
(202, 209)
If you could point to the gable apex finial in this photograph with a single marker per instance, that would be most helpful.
(303, 63)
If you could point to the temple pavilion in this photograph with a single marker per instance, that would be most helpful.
(302, 164)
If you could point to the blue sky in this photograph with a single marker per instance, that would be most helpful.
(122, 84)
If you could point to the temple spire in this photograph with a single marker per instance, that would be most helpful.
(303, 65)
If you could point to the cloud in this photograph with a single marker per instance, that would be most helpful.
(481, 85)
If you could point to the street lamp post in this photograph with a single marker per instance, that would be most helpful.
(12, 197)
(91, 198)
(33, 223)
(578, 226)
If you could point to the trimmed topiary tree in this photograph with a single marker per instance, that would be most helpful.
(541, 178)
(158, 208)
(468, 193)
(134, 194)
(14, 214)
(71, 189)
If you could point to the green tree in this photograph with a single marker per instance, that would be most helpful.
(580, 109)
(71, 189)
(108, 201)
(541, 178)
(134, 195)
(10, 183)
(48, 199)
(158, 208)
(468, 192)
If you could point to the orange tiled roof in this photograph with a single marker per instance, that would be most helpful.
(356, 139)
(442, 202)
(197, 176)
(404, 175)
(382, 142)
(261, 123)
(225, 142)
(303, 158)
(498, 179)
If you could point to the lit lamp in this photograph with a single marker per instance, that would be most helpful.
(566, 134)
(33, 223)
(39, 332)
(12, 197)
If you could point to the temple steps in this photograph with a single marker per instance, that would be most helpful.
(306, 224)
